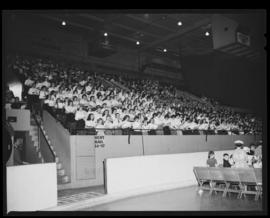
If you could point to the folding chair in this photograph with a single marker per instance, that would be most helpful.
(231, 180)
(217, 179)
(247, 179)
(203, 176)
(258, 176)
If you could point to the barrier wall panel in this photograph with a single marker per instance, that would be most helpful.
(22, 117)
(85, 168)
(84, 147)
(154, 172)
(195, 143)
(31, 187)
(78, 152)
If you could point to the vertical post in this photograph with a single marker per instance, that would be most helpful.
(104, 176)
(38, 136)
(142, 144)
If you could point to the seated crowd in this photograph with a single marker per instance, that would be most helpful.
(83, 98)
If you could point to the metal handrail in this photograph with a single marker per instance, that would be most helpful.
(40, 130)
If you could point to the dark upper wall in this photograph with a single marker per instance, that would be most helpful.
(232, 81)
(26, 34)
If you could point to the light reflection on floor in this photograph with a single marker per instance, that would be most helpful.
(186, 199)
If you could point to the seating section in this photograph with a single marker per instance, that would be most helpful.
(80, 98)
(230, 180)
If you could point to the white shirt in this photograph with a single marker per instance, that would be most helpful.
(39, 85)
(151, 126)
(60, 105)
(126, 124)
(42, 94)
(80, 115)
(88, 88)
(46, 83)
(50, 102)
(97, 115)
(84, 102)
(70, 109)
(90, 124)
(108, 125)
(28, 82)
(33, 91)
(136, 125)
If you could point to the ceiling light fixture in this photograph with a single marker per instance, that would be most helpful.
(164, 50)
(207, 33)
(179, 23)
(105, 34)
(63, 23)
(137, 43)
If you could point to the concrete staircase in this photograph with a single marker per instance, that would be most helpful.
(62, 178)
(34, 136)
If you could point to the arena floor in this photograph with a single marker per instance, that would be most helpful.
(183, 199)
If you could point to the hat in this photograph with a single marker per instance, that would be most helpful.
(238, 142)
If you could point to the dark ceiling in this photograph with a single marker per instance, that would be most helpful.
(155, 31)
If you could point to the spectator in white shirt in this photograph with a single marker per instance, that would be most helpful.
(126, 122)
(90, 121)
(109, 123)
(70, 108)
(151, 124)
(136, 124)
(80, 114)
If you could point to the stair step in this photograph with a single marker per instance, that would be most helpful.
(59, 166)
(57, 159)
(61, 172)
(35, 139)
(62, 179)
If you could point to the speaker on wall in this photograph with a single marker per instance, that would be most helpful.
(223, 31)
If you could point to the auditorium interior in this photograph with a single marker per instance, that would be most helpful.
(134, 111)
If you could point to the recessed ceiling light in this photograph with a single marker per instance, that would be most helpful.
(137, 43)
(63, 23)
(105, 34)
(207, 33)
(164, 50)
(179, 23)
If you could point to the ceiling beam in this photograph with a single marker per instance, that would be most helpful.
(179, 33)
(120, 25)
(87, 27)
(148, 22)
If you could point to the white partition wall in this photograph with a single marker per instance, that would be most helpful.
(140, 174)
(31, 187)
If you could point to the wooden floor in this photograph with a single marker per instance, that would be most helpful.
(184, 199)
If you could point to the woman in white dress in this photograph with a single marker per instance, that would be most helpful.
(240, 156)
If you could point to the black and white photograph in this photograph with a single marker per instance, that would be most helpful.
(134, 111)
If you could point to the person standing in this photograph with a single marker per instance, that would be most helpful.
(240, 156)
